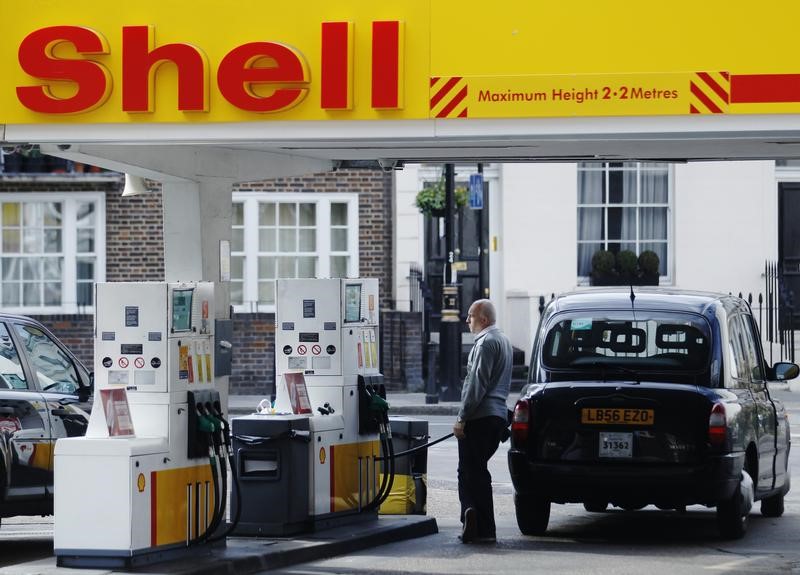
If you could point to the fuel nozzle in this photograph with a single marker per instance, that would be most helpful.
(215, 409)
(378, 404)
(219, 423)
(380, 410)
(208, 426)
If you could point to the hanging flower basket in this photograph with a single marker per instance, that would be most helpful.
(430, 200)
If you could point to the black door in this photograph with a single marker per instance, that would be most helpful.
(789, 244)
(472, 249)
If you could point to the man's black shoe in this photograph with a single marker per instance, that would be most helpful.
(470, 530)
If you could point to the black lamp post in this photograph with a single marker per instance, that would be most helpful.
(450, 325)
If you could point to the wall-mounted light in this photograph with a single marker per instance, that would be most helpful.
(134, 186)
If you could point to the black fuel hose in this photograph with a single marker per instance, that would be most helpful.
(234, 473)
(232, 525)
(213, 463)
(418, 447)
(385, 485)
(383, 496)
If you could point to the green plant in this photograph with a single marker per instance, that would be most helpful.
(648, 263)
(626, 264)
(430, 200)
(602, 263)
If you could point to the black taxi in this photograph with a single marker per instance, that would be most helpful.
(649, 396)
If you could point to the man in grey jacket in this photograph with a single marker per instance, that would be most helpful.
(481, 421)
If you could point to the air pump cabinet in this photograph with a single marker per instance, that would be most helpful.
(327, 332)
(133, 484)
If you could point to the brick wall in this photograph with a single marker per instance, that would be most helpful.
(51, 184)
(134, 237)
(401, 350)
(134, 252)
(253, 366)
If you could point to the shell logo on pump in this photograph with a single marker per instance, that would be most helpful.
(140, 482)
(322, 455)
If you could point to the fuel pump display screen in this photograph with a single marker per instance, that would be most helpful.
(182, 309)
(131, 349)
(352, 303)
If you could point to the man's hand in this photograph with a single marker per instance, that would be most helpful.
(458, 430)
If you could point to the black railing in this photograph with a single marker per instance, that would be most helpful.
(420, 300)
(778, 309)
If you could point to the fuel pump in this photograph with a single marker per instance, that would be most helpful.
(314, 459)
(148, 480)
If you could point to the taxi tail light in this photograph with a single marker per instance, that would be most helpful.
(520, 423)
(717, 426)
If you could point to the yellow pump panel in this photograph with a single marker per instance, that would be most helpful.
(344, 466)
(170, 503)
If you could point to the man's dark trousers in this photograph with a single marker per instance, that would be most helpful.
(474, 480)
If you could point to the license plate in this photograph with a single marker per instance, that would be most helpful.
(615, 444)
(617, 416)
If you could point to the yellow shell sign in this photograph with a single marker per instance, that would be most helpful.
(77, 61)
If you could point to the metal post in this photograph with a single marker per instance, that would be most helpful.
(431, 393)
(450, 329)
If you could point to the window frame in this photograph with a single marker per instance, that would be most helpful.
(33, 361)
(251, 249)
(738, 353)
(69, 247)
(6, 330)
(605, 169)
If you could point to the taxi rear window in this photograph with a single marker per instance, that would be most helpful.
(660, 342)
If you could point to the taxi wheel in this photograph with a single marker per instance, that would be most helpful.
(732, 514)
(533, 513)
(772, 506)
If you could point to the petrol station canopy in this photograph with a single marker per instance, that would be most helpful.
(406, 80)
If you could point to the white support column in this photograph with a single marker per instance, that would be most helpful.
(216, 216)
(197, 217)
(183, 230)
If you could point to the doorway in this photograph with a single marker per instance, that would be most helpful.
(471, 228)
(789, 244)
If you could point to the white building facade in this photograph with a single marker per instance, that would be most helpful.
(714, 225)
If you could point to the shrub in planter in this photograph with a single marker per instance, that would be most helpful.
(626, 266)
(603, 272)
(648, 267)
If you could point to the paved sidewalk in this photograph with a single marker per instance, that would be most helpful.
(244, 555)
